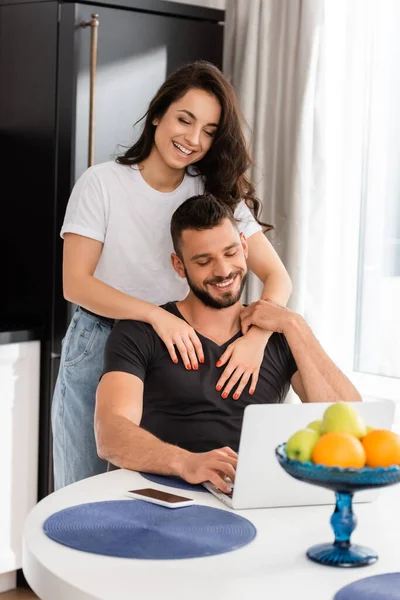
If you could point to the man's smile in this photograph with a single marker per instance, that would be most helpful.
(224, 285)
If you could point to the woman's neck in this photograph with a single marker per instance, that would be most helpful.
(158, 175)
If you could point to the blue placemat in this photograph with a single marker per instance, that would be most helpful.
(138, 529)
(377, 587)
(175, 482)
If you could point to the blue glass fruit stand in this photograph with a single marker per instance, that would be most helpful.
(344, 482)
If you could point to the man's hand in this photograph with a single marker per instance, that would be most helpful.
(266, 315)
(211, 466)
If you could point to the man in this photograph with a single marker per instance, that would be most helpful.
(154, 416)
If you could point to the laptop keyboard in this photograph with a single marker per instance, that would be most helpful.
(230, 494)
(224, 497)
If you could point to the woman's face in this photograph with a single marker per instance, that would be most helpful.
(185, 133)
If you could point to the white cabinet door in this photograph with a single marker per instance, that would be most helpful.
(19, 426)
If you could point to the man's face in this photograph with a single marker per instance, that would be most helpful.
(214, 264)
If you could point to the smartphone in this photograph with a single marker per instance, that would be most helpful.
(162, 498)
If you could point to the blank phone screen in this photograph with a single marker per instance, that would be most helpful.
(150, 493)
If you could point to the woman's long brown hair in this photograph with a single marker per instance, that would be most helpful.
(223, 168)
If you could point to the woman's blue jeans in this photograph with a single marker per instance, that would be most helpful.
(72, 412)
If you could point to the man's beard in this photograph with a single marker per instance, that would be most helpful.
(225, 300)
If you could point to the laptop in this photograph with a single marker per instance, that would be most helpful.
(260, 480)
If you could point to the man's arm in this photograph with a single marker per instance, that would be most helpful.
(121, 441)
(318, 379)
(119, 438)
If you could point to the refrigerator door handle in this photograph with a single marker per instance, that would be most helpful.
(94, 25)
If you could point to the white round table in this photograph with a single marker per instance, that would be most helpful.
(273, 565)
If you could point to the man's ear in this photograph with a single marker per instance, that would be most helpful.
(244, 245)
(178, 265)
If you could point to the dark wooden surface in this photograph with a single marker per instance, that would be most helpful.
(152, 6)
(18, 594)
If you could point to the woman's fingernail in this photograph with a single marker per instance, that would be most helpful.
(195, 367)
(235, 396)
(175, 360)
(188, 367)
(218, 363)
(225, 395)
(201, 360)
(251, 392)
(218, 388)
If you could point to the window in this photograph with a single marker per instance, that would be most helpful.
(378, 307)
(362, 123)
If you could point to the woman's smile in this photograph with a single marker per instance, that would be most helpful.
(183, 150)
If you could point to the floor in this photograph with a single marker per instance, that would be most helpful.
(18, 594)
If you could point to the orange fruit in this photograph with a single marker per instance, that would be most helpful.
(382, 448)
(339, 449)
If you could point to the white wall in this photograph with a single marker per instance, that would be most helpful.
(220, 4)
(19, 430)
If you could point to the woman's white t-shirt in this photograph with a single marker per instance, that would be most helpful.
(113, 204)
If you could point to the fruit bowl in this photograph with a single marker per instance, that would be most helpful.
(344, 482)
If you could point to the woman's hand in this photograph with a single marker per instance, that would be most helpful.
(176, 332)
(266, 315)
(245, 356)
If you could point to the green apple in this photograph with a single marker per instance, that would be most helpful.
(342, 416)
(301, 444)
(316, 425)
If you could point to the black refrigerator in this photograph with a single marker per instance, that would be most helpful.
(46, 80)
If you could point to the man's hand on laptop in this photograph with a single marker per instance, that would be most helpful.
(214, 466)
(266, 315)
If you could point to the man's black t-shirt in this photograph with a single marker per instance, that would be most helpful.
(183, 407)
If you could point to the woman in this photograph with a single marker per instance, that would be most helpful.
(117, 247)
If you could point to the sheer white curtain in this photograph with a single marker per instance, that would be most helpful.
(363, 190)
(273, 56)
(319, 86)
